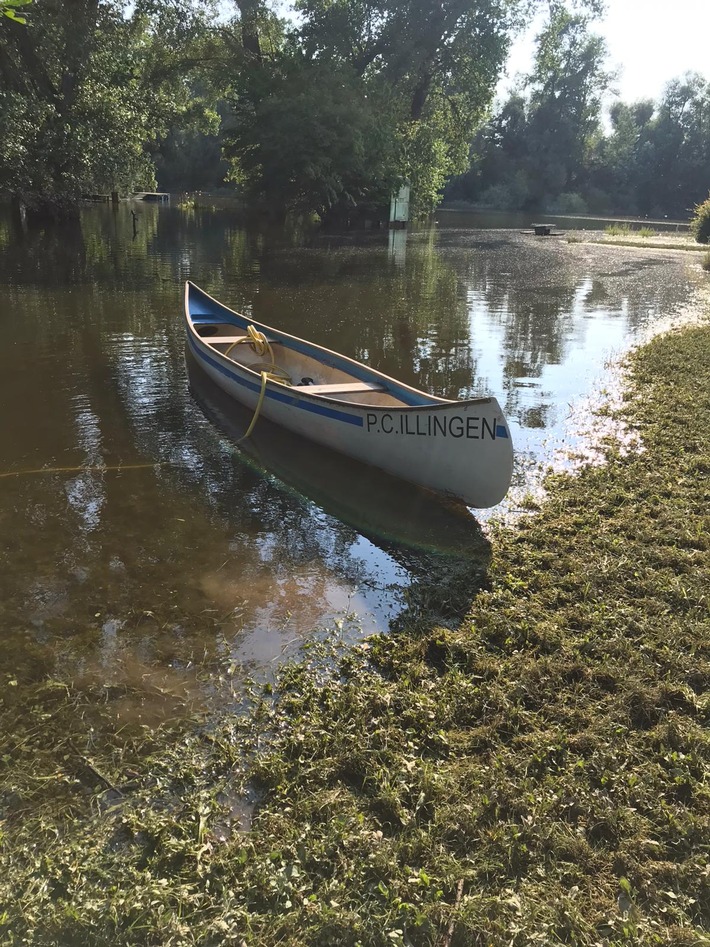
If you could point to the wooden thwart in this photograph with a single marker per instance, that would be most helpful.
(342, 388)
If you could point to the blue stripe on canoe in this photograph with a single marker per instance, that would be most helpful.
(295, 402)
(501, 431)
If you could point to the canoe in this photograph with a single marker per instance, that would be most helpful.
(458, 448)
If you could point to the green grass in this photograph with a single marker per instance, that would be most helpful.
(659, 244)
(617, 230)
(537, 773)
(626, 230)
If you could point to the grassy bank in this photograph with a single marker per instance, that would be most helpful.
(535, 775)
(644, 239)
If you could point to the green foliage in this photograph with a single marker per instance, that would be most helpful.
(86, 95)
(541, 140)
(431, 151)
(568, 203)
(416, 77)
(95, 96)
(8, 8)
(700, 225)
(565, 103)
(305, 138)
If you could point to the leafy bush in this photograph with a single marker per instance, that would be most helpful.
(569, 203)
(700, 224)
(499, 197)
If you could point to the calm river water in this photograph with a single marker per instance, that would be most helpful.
(141, 546)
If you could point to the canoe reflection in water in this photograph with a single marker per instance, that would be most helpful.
(385, 509)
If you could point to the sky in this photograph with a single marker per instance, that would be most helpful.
(650, 42)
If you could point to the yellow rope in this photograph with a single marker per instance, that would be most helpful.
(80, 469)
(257, 412)
(270, 371)
(258, 342)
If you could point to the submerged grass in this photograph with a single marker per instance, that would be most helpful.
(535, 773)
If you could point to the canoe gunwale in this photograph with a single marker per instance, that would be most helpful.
(358, 370)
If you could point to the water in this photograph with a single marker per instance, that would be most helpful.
(142, 547)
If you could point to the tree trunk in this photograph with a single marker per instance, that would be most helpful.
(249, 11)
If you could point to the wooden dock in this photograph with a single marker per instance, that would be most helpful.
(156, 197)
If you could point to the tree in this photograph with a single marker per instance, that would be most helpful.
(429, 66)
(700, 224)
(87, 89)
(497, 177)
(679, 146)
(303, 138)
(436, 60)
(618, 164)
(566, 88)
(323, 113)
(533, 152)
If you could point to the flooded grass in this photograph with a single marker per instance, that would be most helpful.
(643, 238)
(528, 764)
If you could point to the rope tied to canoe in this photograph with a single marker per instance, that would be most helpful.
(258, 342)
(269, 371)
(83, 468)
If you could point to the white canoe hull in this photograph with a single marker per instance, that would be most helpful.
(459, 448)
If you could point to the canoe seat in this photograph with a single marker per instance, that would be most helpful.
(342, 388)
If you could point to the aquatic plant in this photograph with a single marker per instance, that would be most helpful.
(700, 224)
